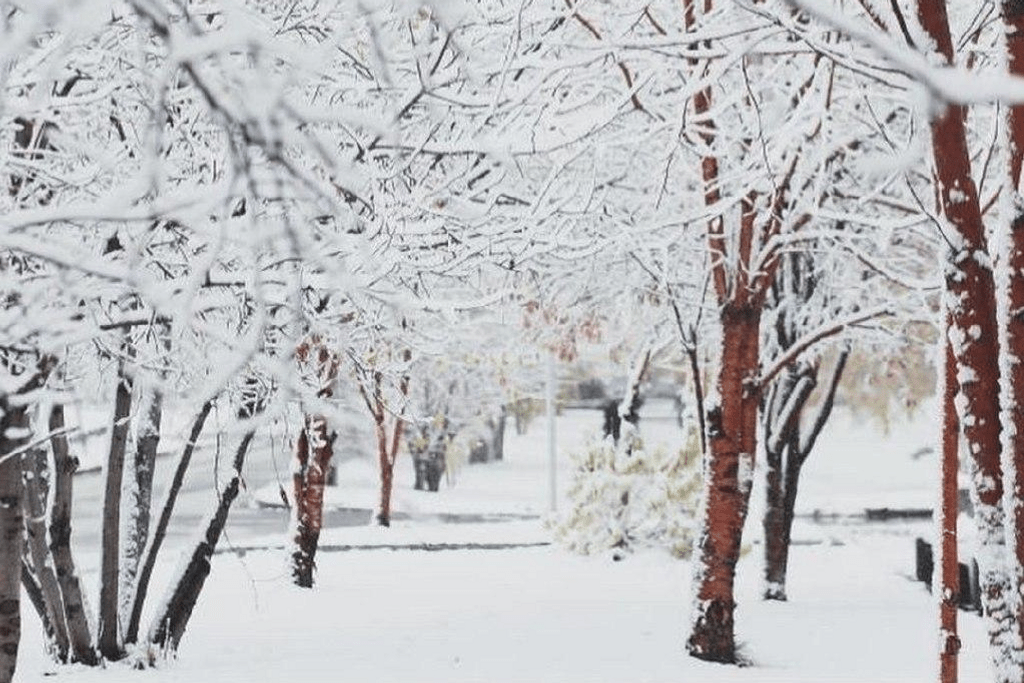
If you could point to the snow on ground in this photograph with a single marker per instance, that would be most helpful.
(539, 614)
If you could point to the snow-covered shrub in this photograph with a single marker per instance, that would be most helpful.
(625, 497)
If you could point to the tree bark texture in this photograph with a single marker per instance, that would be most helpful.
(949, 595)
(728, 468)
(1013, 18)
(972, 333)
(37, 554)
(35, 595)
(109, 642)
(783, 472)
(64, 466)
(13, 420)
(782, 464)
(138, 509)
(313, 453)
(386, 463)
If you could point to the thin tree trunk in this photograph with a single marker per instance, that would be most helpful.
(387, 470)
(789, 452)
(64, 466)
(780, 419)
(35, 595)
(37, 553)
(14, 420)
(108, 639)
(698, 394)
(970, 292)
(732, 432)
(778, 520)
(313, 452)
(775, 546)
(172, 619)
(794, 463)
(160, 532)
(143, 466)
(498, 434)
(420, 456)
(1013, 18)
(949, 595)
(386, 455)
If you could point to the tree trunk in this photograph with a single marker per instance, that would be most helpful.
(1013, 18)
(776, 544)
(35, 595)
(498, 434)
(732, 432)
(160, 532)
(386, 454)
(64, 466)
(13, 427)
(143, 465)
(34, 472)
(313, 452)
(949, 595)
(171, 620)
(420, 465)
(109, 642)
(778, 517)
(787, 447)
(970, 293)
(435, 467)
(387, 471)
(780, 419)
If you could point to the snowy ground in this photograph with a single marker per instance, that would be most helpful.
(540, 614)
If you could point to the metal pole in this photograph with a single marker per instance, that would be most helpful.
(552, 450)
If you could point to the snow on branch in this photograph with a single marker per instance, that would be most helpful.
(949, 84)
(817, 335)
